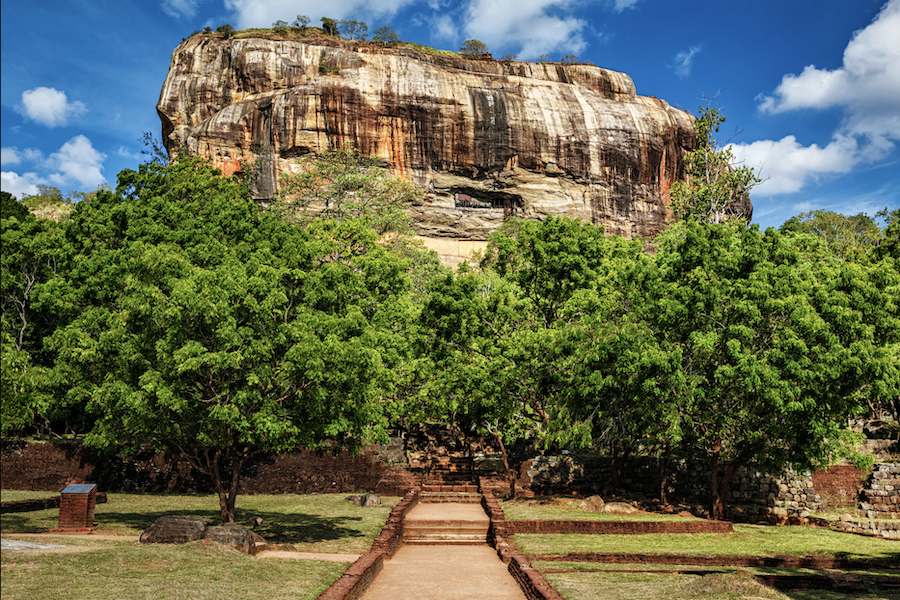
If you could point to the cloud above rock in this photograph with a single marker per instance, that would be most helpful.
(49, 106)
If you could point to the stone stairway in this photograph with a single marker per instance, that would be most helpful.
(449, 509)
(450, 479)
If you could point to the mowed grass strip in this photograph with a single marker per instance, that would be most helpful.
(747, 540)
(160, 572)
(615, 582)
(312, 523)
(569, 510)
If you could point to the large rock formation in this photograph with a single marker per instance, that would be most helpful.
(484, 138)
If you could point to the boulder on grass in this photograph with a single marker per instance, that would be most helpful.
(619, 508)
(365, 499)
(176, 529)
(237, 537)
(593, 504)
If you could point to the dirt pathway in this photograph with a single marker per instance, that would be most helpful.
(444, 572)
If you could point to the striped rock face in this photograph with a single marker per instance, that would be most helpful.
(484, 138)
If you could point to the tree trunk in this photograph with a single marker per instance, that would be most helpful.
(718, 486)
(510, 474)
(664, 479)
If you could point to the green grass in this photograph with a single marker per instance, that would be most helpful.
(753, 540)
(16, 495)
(522, 510)
(312, 523)
(160, 572)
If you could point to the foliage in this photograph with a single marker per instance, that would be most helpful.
(346, 184)
(352, 29)
(569, 59)
(849, 237)
(714, 187)
(385, 34)
(280, 26)
(30, 259)
(890, 243)
(473, 48)
(301, 22)
(329, 26)
(510, 56)
(204, 325)
(226, 30)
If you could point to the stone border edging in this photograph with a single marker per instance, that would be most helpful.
(42, 504)
(791, 562)
(353, 583)
(617, 527)
(530, 580)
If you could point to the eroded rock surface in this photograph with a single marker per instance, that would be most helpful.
(485, 139)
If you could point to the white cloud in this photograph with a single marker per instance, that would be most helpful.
(445, 28)
(49, 106)
(77, 162)
(528, 24)
(867, 86)
(9, 156)
(20, 185)
(684, 61)
(126, 153)
(786, 166)
(621, 5)
(262, 13)
(181, 8)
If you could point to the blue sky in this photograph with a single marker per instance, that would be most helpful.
(811, 87)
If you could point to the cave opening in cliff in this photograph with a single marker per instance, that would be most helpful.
(510, 204)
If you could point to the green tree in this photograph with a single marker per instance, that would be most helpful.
(849, 237)
(346, 184)
(330, 26)
(31, 259)
(301, 22)
(280, 27)
(226, 30)
(772, 349)
(715, 187)
(473, 48)
(211, 328)
(385, 34)
(352, 29)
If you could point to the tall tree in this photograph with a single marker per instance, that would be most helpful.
(209, 327)
(715, 187)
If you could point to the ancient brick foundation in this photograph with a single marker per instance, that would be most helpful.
(617, 527)
(880, 499)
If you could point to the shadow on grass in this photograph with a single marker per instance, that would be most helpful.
(278, 528)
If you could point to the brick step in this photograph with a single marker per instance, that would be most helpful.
(470, 488)
(449, 479)
(452, 542)
(466, 497)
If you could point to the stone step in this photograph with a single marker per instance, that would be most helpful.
(453, 542)
(470, 488)
(466, 497)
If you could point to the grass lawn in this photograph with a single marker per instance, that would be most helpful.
(752, 540)
(725, 584)
(312, 523)
(569, 510)
(160, 572)
(102, 569)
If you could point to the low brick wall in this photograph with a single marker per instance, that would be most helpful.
(391, 537)
(618, 527)
(356, 579)
(789, 562)
(42, 504)
(531, 581)
(358, 576)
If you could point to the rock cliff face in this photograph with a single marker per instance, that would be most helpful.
(485, 139)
